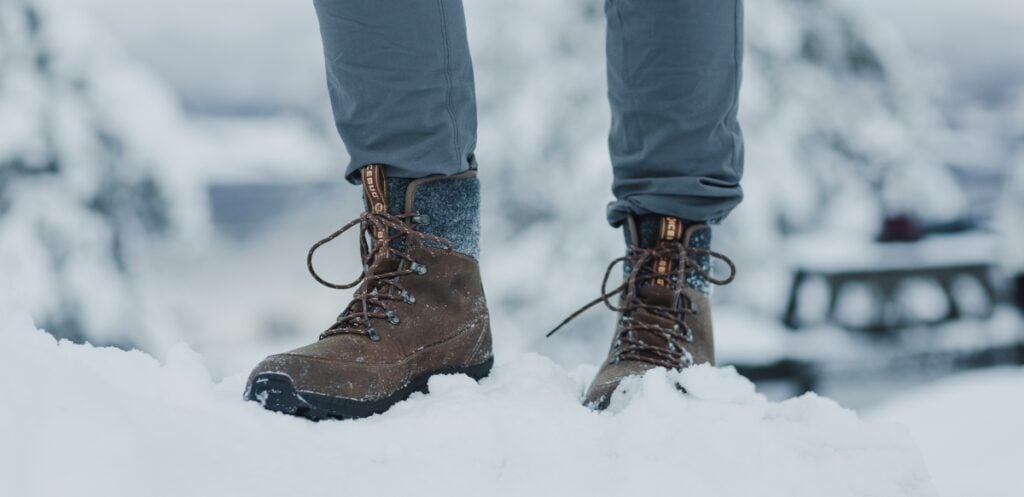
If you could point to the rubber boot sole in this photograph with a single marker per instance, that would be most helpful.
(276, 392)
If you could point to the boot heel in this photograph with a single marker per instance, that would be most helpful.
(478, 372)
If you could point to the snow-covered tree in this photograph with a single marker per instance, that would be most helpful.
(93, 155)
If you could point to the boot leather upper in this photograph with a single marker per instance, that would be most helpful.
(637, 349)
(446, 326)
(614, 369)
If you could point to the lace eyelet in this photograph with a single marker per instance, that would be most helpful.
(687, 359)
(372, 333)
(421, 219)
(408, 298)
(418, 268)
(392, 317)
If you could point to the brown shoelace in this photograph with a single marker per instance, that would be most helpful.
(379, 285)
(639, 261)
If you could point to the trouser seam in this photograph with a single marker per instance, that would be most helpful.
(448, 79)
(738, 61)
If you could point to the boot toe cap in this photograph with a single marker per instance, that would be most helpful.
(342, 380)
(600, 392)
(599, 395)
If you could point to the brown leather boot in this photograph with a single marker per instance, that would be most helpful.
(664, 312)
(419, 309)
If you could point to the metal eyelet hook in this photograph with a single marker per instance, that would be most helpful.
(687, 359)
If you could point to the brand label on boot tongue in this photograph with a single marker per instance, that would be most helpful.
(671, 229)
(376, 196)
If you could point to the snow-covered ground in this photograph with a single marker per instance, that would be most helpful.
(107, 423)
(968, 428)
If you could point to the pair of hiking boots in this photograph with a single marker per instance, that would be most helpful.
(419, 308)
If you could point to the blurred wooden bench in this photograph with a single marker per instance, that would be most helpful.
(885, 284)
(958, 271)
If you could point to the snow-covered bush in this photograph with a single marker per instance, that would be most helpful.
(93, 155)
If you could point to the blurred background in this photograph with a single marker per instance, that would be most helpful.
(164, 166)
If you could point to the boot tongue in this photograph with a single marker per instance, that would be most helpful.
(375, 194)
(652, 231)
(656, 295)
(659, 292)
(655, 231)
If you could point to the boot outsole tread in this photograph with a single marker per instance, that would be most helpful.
(276, 392)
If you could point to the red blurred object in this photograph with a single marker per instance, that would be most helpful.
(900, 228)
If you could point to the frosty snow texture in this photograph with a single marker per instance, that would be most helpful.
(168, 429)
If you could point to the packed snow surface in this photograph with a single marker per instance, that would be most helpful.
(969, 429)
(85, 421)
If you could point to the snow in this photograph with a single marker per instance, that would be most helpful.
(968, 427)
(957, 33)
(105, 422)
(97, 159)
(99, 155)
(834, 251)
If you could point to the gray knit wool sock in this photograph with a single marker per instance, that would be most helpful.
(448, 208)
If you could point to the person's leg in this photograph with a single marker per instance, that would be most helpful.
(401, 84)
(673, 85)
(677, 154)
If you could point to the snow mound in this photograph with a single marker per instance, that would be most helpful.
(969, 429)
(86, 421)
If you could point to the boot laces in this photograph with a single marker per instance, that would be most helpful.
(379, 281)
(671, 353)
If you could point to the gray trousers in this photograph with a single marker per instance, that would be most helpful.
(401, 84)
